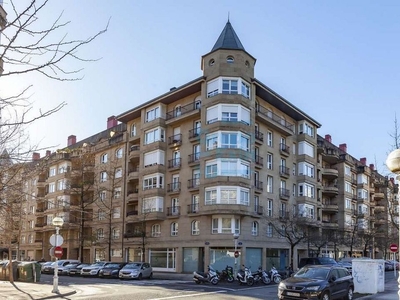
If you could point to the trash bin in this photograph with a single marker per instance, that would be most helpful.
(3, 265)
(29, 271)
(369, 275)
(14, 270)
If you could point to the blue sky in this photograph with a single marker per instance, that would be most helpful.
(338, 61)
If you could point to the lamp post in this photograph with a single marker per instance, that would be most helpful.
(57, 222)
(235, 238)
(393, 163)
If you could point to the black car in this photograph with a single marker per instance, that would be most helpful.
(318, 282)
(111, 270)
(76, 271)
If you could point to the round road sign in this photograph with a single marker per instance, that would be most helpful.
(58, 251)
(56, 240)
(394, 248)
(236, 254)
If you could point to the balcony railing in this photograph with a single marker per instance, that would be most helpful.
(195, 132)
(259, 135)
(274, 117)
(173, 211)
(174, 163)
(195, 157)
(284, 148)
(283, 170)
(175, 139)
(284, 193)
(183, 110)
(193, 209)
(258, 185)
(132, 213)
(193, 183)
(174, 187)
(259, 160)
(258, 209)
(283, 214)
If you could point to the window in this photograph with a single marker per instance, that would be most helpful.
(103, 195)
(306, 210)
(62, 169)
(306, 190)
(52, 172)
(156, 157)
(211, 62)
(348, 203)
(270, 205)
(103, 176)
(52, 187)
(270, 230)
(269, 139)
(306, 169)
(230, 60)
(174, 229)
(101, 215)
(31, 224)
(30, 239)
(227, 195)
(119, 152)
(117, 192)
(347, 171)
(153, 181)
(227, 167)
(100, 234)
(115, 233)
(306, 129)
(104, 158)
(228, 113)
(154, 135)
(116, 252)
(229, 86)
(306, 148)
(224, 139)
(152, 114)
(156, 230)
(270, 160)
(153, 204)
(116, 213)
(118, 172)
(225, 225)
(195, 227)
(270, 184)
(347, 187)
(254, 228)
(245, 90)
(362, 194)
(133, 130)
(61, 185)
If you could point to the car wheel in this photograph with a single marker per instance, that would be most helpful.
(140, 277)
(349, 295)
(326, 296)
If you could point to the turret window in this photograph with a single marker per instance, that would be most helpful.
(232, 86)
(211, 62)
(230, 60)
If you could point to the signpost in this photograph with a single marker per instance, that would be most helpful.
(58, 251)
(394, 248)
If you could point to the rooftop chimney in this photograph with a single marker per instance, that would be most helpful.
(372, 167)
(71, 140)
(343, 147)
(35, 156)
(173, 88)
(363, 161)
(112, 122)
(328, 138)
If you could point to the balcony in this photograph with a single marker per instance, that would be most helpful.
(258, 186)
(284, 215)
(134, 152)
(330, 155)
(193, 209)
(329, 173)
(284, 171)
(175, 140)
(183, 111)
(284, 194)
(194, 183)
(194, 133)
(379, 196)
(330, 207)
(259, 161)
(194, 158)
(331, 190)
(284, 149)
(258, 209)
(174, 163)
(329, 225)
(174, 187)
(132, 213)
(259, 136)
(275, 121)
(174, 211)
(218, 208)
(133, 174)
(132, 196)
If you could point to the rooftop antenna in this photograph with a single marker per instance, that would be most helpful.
(228, 16)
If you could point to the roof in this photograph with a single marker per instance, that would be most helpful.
(228, 39)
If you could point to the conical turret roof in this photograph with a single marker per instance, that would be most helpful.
(228, 39)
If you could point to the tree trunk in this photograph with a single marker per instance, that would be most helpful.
(10, 266)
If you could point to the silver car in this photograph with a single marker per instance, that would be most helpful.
(137, 270)
(93, 269)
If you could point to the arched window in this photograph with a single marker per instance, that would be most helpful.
(100, 234)
(104, 158)
(174, 229)
(230, 60)
(195, 227)
(119, 152)
(156, 230)
(133, 130)
(254, 228)
(178, 111)
(197, 102)
(211, 62)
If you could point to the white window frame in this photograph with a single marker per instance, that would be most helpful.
(225, 225)
(174, 229)
(104, 158)
(118, 172)
(195, 226)
(228, 112)
(153, 181)
(227, 167)
(306, 190)
(154, 135)
(119, 153)
(153, 204)
(156, 230)
(103, 176)
(228, 195)
(153, 113)
(254, 228)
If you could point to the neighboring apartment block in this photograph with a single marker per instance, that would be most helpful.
(189, 177)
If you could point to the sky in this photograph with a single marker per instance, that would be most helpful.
(338, 61)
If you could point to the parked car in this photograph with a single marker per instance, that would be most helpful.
(111, 270)
(46, 266)
(137, 270)
(389, 266)
(64, 270)
(93, 269)
(347, 265)
(319, 282)
(316, 261)
(49, 269)
(76, 271)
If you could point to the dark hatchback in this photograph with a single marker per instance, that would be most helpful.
(318, 282)
(111, 270)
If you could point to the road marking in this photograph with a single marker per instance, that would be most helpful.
(190, 295)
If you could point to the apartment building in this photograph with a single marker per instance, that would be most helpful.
(199, 174)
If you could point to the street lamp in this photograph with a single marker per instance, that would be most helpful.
(57, 222)
(235, 237)
(393, 163)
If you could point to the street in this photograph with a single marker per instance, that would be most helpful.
(156, 289)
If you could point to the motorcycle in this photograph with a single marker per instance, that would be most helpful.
(261, 275)
(226, 274)
(274, 275)
(204, 277)
(244, 276)
(288, 272)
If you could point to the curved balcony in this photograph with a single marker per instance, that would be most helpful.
(330, 208)
(231, 209)
(331, 190)
(134, 152)
(134, 174)
(329, 173)
(329, 225)
(379, 196)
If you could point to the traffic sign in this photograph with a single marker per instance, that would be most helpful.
(236, 254)
(56, 240)
(58, 251)
(394, 247)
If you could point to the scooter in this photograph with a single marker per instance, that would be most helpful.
(274, 275)
(261, 275)
(244, 276)
(226, 274)
(204, 277)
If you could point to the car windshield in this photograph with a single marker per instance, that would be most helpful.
(133, 266)
(316, 273)
(98, 264)
(71, 265)
(112, 266)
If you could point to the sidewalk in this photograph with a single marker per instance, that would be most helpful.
(390, 293)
